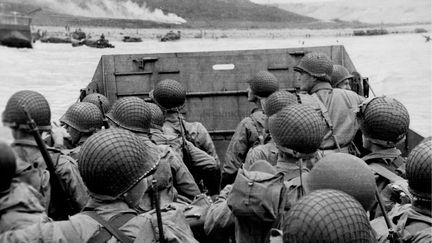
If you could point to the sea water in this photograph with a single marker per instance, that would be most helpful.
(399, 66)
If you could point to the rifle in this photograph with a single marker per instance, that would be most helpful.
(55, 181)
(393, 236)
(156, 203)
(104, 120)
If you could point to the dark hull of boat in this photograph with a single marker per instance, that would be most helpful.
(15, 36)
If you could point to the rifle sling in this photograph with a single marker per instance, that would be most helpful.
(110, 228)
(384, 172)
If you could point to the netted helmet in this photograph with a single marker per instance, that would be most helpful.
(84, 117)
(419, 170)
(278, 100)
(339, 74)
(112, 161)
(317, 65)
(35, 104)
(7, 166)
(297, 127)
(94, 99)
(169, 94)
(327, 216)
(157, 116)
(344, 172)
(263, 84)
(384, 120)
(131, 113)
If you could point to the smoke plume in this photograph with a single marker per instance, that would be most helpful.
(111, 9)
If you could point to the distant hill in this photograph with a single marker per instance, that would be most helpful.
(367, 11)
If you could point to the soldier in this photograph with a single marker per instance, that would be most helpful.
(337, 105)
(116, 167)
(250, 131)
(20, 204)
(327, 216)
(24, 145)
(133, 114)
(413, 221)
(170, 96)
(343, 172)
(384, 123)
(81, 120)
(340, 77)
(268, 152)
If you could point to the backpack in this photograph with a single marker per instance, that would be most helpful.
(257, 195)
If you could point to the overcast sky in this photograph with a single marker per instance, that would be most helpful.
(288, 1)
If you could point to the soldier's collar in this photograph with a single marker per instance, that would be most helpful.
(320, 86)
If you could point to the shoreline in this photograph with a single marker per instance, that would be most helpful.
(116, 34)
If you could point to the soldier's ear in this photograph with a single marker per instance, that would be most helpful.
(45, 179)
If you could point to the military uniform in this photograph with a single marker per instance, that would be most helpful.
(267, 152)
(21, 207)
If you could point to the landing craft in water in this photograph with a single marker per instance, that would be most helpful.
(171, 36)
(15, 30)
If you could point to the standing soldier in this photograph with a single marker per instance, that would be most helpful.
(338, 105)
(24, 145)
(82, 119)
(272, 105)
(133, 114)
(413, 221)
(340, 77)
(384, 123)
(170, 95)
(116, 167)
(20, 204)
(250, 131)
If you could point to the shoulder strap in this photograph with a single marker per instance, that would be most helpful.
(111, 227)
(384, 172)
(259, 128)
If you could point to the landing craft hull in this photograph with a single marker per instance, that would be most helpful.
(216, 81)
(15, 31)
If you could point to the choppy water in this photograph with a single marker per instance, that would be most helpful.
(397, 65)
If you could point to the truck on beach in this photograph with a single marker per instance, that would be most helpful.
(216, 82)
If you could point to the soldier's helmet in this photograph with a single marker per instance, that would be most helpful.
(346, 173)
(419, 171)
(157, 116)
(84, 117)
(384, 120)
(339, 74)
(263, 84)
(327, 216)
(131, 113)
(169, 94)
(7, 166)
(317, 65)
(34, 103)
(297, 127)
(94, 99)
(113, 161)
(278, 100)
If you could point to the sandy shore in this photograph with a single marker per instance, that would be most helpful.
(116, 34)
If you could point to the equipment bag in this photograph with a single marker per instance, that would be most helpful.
(256, 195)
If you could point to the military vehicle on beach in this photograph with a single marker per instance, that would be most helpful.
(216, 82)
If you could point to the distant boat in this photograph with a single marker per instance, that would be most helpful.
(15, 30)
(131, 39)
(171, 36)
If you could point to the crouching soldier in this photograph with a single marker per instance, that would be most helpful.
(170, 96)
(384, 122)
(20, 204)
(413, 222)
(133, 114)
(116, 168)
(28, 152)
(81, 120)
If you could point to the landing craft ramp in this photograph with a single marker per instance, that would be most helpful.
(216, 81)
